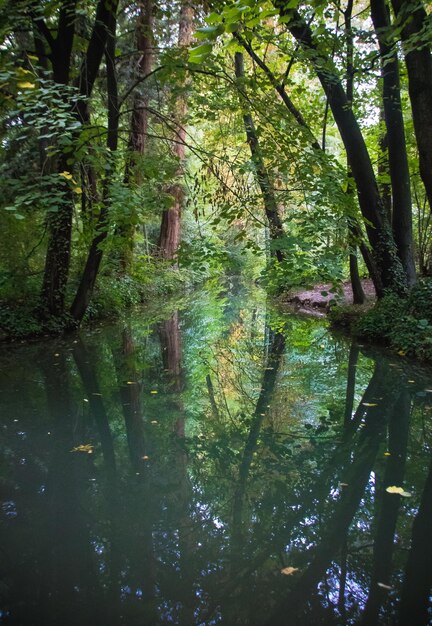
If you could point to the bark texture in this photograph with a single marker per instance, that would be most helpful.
(57, 260)
(418, 57)
(397, 153)
(170, 231)
(140, 120)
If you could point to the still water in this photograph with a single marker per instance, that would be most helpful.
(213, 462)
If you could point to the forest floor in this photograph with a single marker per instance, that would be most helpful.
(317, 299)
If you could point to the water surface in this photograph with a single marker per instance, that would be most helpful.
(213, 463)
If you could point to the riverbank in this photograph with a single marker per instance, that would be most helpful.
(319, 299)
(402, 324)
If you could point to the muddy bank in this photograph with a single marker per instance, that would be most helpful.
(318, 299)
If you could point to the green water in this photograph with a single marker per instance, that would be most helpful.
(216, 463)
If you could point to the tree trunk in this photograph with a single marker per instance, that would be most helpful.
(357, 288)
(57, 260)
(94, 258)
(261, 172)
(398, 160)
(419, 65)
(139, 121)
(371, 205)
(169, 236)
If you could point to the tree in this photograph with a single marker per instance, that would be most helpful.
(415, 32)
(370, 201)
(60, 52)
(169, 236)
(262, 175)
(397, 152)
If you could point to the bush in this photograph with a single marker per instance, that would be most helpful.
(403, 324)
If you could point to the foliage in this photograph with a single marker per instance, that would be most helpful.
(58, 157)
(405, 324)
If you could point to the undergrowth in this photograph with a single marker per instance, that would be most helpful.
(404, 324)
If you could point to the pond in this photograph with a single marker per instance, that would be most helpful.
(214, 463)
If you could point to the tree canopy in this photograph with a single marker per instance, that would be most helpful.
(149, 142)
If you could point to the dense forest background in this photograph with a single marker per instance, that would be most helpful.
(146, 145)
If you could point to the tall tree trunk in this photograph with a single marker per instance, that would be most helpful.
(419, 65)
(169, 236)
(94, 258)
(139, 120)
(371, 205)
(398, 160)
(261, 172)
(57, 260)
(357, 288)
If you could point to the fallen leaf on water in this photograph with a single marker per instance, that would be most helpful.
(85, 447)
(387, 454)
(399, 490)
(411, 381)
(383, 586)
(154, 422)
(153, 391)
(369, 404)
(289, 571)
(131, 382)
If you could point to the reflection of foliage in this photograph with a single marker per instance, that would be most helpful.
(202, 523)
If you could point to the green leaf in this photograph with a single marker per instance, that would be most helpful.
(209, 32)
(199, 53)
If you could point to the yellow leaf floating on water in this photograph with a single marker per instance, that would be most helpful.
(398, 490)
(85, 447)
(130, 382)
(387, 454)
(289, 571)
(369, 404)
(153, 391)
(26, 85)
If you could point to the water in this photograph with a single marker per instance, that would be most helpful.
(214, 464)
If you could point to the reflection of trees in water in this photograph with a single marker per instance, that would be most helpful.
(193, 533)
